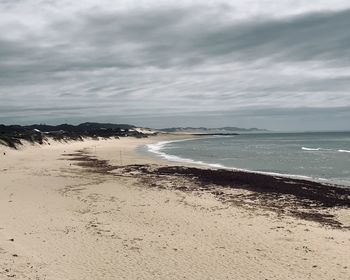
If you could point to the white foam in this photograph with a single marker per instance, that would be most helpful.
(157, 147)
(310, 149)
(320, 149)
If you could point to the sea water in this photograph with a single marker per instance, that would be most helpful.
(319, 155)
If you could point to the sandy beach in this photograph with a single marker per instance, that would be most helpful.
(101, 210)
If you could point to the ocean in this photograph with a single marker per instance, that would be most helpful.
(321, 156)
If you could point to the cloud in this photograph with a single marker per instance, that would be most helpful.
(171, 58)
(182, 38)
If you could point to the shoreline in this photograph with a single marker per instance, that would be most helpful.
(320, 195)
(100, 210)
(290, 192)
(200, 164)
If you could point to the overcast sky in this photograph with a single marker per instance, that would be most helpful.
(281, 64)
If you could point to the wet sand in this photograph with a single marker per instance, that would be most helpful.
(100, 210)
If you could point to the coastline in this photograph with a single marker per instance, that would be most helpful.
(156, 149)
(100, 210)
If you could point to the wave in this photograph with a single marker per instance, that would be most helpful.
(321, 149)
(157, 149)
(311, 149)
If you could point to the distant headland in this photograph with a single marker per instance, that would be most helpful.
(216, 131)
(14, 135)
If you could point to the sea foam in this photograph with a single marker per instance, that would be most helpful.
(310, 149)
(320, 149)
(157, 148)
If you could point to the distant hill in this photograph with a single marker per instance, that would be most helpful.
(83, 127)
(226, 129)
(13, 135)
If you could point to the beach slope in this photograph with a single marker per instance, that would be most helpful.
(100, 210)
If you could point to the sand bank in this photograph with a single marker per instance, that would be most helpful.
(74, 211)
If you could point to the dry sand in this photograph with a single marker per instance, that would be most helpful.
(59, 222)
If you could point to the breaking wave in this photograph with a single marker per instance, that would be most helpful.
(157, 148)
(321, 149)
(310, 149)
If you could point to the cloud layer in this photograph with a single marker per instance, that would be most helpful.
(65, 62)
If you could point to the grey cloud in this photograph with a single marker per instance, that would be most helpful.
(321, 36)
(25, 109)
(178, 38)
(167, 38)
(177, 61)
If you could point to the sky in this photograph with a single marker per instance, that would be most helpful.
(280, 65)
